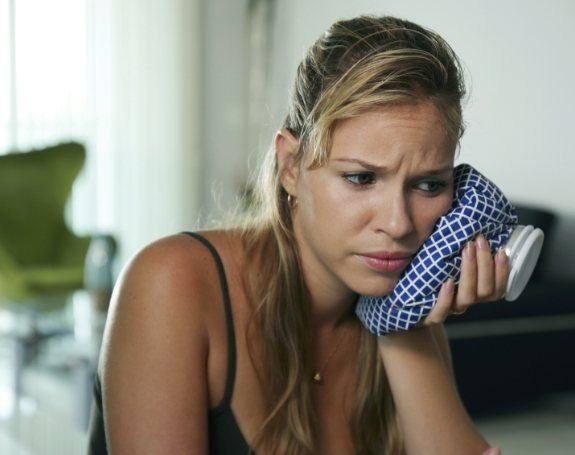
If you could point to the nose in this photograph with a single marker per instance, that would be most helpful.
(393, 215)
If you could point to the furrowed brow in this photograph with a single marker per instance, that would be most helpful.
(375, 168)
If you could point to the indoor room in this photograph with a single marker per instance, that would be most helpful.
(129, 126)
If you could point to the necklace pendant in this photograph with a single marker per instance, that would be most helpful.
(317, 378)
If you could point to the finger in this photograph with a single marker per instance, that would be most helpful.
(467, 289)
(444, 302)
(502, 270)
(442, 307)
(485, 270)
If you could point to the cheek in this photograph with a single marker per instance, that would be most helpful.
(430, 212)
(328, 214)
(325, 201)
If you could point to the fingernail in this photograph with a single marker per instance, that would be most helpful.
(469, 250)
(449, 285)
(481, 242)
(501, 256)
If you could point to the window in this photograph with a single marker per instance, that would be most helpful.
(43, 76)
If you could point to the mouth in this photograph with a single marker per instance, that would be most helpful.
(385, 265)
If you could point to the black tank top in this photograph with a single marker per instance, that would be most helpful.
(225, 436)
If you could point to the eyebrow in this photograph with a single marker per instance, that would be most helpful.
(373, 167)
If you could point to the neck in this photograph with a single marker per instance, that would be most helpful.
(332, 301)
(328, 317)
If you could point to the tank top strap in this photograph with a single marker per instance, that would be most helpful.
(229, 321)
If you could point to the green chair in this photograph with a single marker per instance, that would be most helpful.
(42, 262)
(40, 258)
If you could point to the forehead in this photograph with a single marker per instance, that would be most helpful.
(391, 132)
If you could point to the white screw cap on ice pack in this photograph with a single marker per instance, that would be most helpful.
(522, 249)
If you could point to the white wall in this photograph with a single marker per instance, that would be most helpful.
(143, 151)
(222, 104)
(177, 81)
(519, 63)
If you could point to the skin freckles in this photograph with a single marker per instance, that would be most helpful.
(345, 208)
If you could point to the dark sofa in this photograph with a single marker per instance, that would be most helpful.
(509, 353)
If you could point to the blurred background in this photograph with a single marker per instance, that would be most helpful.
(122, 121)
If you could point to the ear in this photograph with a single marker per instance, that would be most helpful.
(286, 147)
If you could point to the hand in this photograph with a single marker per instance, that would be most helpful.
(492, 451)
(483, 279)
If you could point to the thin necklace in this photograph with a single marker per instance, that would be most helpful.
(317, 377)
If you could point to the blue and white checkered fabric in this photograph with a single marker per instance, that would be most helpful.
(478, 207)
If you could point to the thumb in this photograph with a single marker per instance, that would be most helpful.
(492, 451)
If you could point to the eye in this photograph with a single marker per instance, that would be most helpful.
(436, 186)
(359, 179)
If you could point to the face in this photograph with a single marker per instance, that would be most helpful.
(388, 180)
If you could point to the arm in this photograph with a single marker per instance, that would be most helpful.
(154, 352)
(430, 412)
(440, 335)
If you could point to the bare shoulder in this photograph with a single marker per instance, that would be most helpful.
(179, 257)
(167, 267)
(172, 277)
(155, 347)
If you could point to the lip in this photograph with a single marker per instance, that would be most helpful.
(389, 255)
(385, 265)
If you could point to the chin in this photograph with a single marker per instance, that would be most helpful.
(376, 287)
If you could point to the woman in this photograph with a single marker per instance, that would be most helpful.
(245, 337)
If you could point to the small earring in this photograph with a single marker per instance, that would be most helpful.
(292, 201)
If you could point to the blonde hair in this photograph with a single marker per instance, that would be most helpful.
(357, 64)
